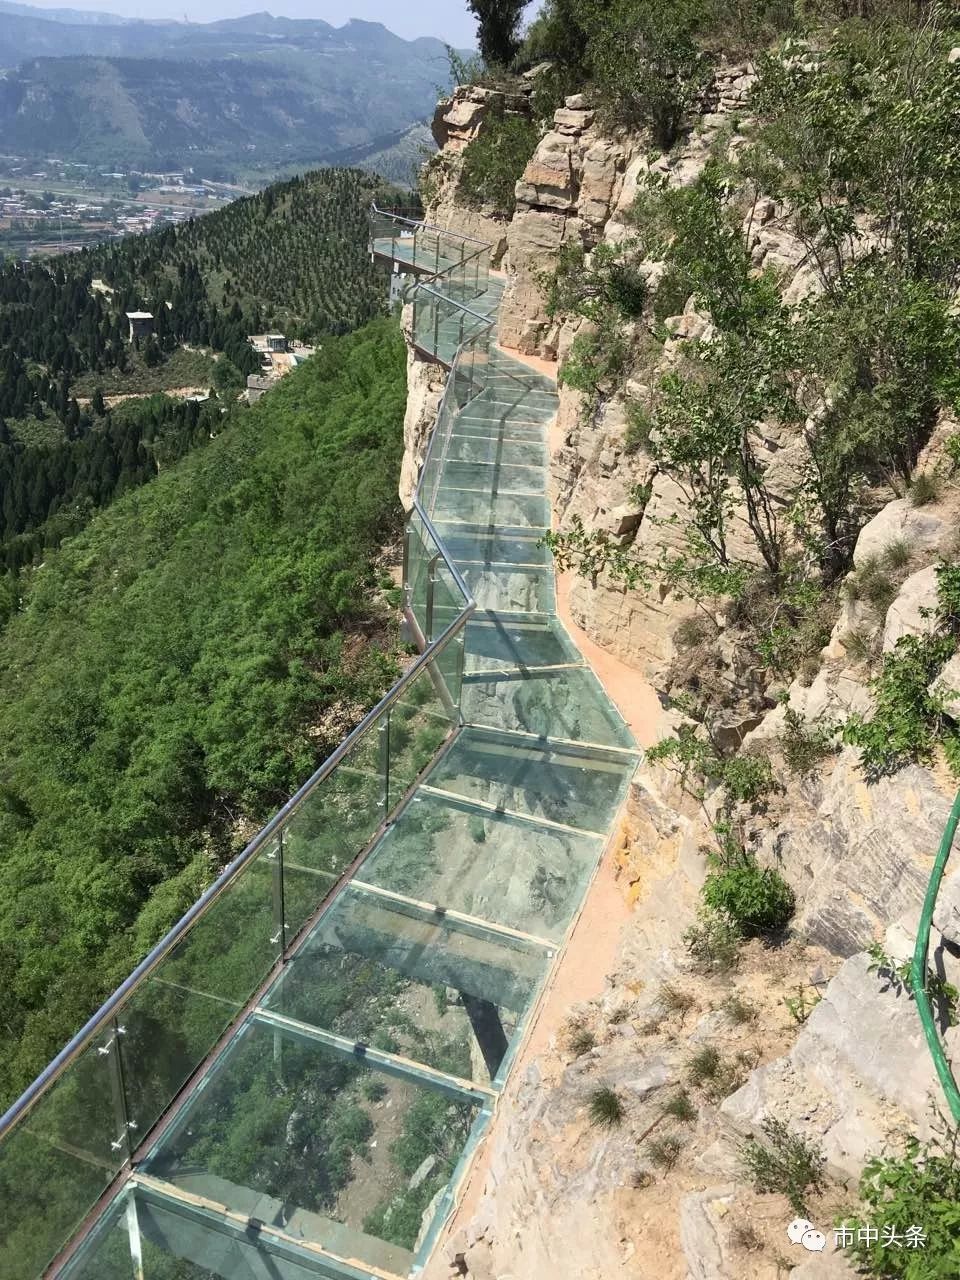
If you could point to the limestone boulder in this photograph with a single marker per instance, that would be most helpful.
(857, 854)
(926, 531)
(913, 612)
(946, 915)
(551, 179)
(947, 686)
(859, 1074)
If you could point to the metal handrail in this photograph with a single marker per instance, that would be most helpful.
(918, 972)
(427, 226)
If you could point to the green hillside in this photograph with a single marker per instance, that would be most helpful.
(190, 658)
(293, 256)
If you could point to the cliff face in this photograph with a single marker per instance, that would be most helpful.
(825, 1043)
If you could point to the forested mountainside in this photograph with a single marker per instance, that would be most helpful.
(292, 257)
(736, 230)
(254, 94)
(177, 669)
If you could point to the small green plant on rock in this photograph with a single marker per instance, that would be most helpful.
(921, 1189)
(784, 1162)
(580, 1039)
(738, 1010)
(664, 1151)
(925, 487)
(804, 745)
(681, 1107)
(605, 1108)
(900, 978)
(714, 942)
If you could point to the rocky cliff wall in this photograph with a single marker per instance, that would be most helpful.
(809, 1033)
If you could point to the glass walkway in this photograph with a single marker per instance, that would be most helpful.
(293, 1083)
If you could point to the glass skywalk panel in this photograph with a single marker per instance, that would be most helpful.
(497, 476)
(523, 511)
(482, 544)
(149, 1236)
(479, 448)
(392, 974)
(316, 1142)
(497, 427)
(568, 703)
(58, 1163)
(510, 588)
(573, 785)
(515, 643)
(486, 865)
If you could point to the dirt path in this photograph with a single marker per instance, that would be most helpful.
(175, 393)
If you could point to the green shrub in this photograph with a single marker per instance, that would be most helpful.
(907, 720)
(747, 779)
(925, 487)
(756, 899)
(785, 1162)
(804, 745)
(646, 64)
(494, 161)
(918, 1189)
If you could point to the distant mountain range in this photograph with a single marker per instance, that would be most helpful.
(256, 93)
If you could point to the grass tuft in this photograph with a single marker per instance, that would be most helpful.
(605, 1107)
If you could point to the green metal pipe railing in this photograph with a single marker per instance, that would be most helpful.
(919, 967)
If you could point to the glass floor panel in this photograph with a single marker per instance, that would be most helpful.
(503, 430)
(503, 477)
(318, 1143)
(487, 865)
(509, 643)
(186, 1242)
(563, 784)
(492, 546)
(531, 512)
(554, 704)
(390, 974)
(512, 588)
(479, 449)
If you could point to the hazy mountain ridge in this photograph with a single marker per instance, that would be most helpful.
(270, 93)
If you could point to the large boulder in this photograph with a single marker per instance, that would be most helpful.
(914, 611)
(925, 530)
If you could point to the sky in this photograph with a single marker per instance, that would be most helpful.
(446, 19)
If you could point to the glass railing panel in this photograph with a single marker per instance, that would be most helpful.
(181, 1011)
(420, 720)
(341, 816)
(316, 1142)
(60, 1160)
(420, 554)
(392, 975)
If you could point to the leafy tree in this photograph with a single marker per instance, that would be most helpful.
(498, 26)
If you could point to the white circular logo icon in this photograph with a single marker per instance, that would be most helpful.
(798, 1229)
(813, 1240)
